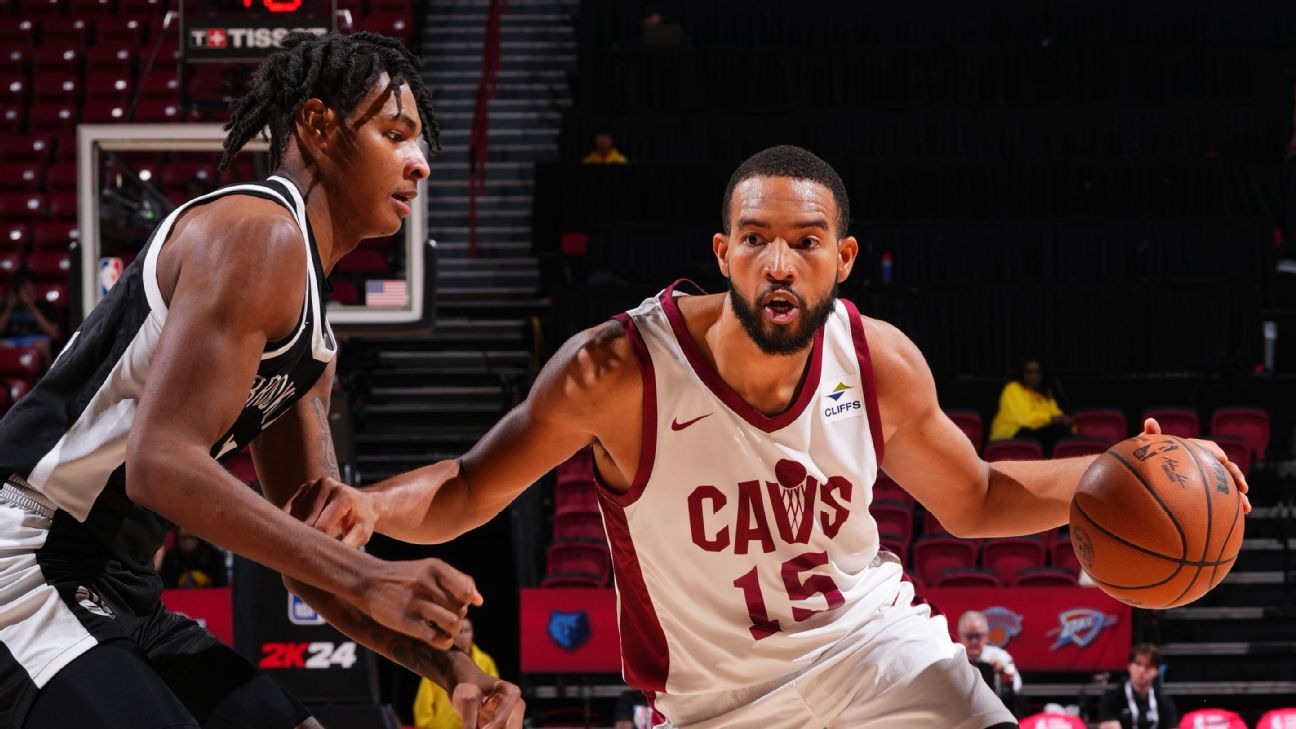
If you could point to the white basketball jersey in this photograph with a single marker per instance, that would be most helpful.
(744, 548)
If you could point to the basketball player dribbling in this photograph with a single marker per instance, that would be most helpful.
(214, 338)
(737, 437)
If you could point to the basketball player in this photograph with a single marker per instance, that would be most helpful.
(737, 437)
(214, 338)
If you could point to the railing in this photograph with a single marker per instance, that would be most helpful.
(479, 139)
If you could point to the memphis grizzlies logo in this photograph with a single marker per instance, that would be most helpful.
(569, 630)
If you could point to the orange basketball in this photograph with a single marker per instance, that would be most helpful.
(1156, 521)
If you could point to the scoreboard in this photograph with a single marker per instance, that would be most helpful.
(247, 30)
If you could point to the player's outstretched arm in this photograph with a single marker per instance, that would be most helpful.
(234, 278)
(590, 389)
(927, 454)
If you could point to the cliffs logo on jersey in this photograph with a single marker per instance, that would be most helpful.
(842, 401)
(793, 503)
(268, 395)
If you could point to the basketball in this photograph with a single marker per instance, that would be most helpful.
(1156, 521)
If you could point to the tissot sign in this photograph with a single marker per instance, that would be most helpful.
(233, 30)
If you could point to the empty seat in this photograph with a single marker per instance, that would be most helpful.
(49, 266)
(63, 206)
(933, 555)
(572, 581)
(396, 26)
(161, 85)
(21, 207)
(578, 525)
(61, 177)
(104, 112)
(967, 577)
(73, 31)
(13, 118)
(1014, 449)
(884, 489)
(90, 8)
(14, 88)
(1249, 423)
(153, 110)
(895, 545)
(1008, 556)
(145, 8)
(346, 293)
(579, 558)
(56, 86)
(17, 386)
(17, 31)
(112, 58)
(1104, 424)
(27, 148)
(1211, 719)
(54, 236)
(1182, 422)
(1082, 446)
(1236, 448)
(1062, 555)
(119, 32)
(59, 57)
(894, 518)
(932, 525)
(42, 8)
(54, 115)
(21, 177)
(14, 236)
(20, 361)
(579, 496)
(968, 421)
(10, 263)
(1045, 577)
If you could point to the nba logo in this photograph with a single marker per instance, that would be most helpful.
(110, 269)
(299, 613)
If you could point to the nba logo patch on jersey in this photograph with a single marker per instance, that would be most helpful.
(569, 630)
(842, 399)
(299, 613)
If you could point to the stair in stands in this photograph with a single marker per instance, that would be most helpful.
(432, 397)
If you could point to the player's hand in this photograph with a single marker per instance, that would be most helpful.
(1152, 427)
(482, 700)
(425, 599)
(338, 510)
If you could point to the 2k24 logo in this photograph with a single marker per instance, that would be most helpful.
(308, 655)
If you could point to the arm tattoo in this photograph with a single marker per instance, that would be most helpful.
(329, 457)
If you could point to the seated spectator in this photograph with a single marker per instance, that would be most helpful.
(995, 663)
(1027, 409)
(26, 321)
(193, 563)
(605, 151)
(432, 706)
(1138, 703)
(632, 711)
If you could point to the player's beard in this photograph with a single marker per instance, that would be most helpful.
(783, 341)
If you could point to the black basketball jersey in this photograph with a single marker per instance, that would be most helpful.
(67, 438)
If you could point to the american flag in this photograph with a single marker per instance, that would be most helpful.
(385, 293)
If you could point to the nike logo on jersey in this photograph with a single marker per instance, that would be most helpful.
(677, 425)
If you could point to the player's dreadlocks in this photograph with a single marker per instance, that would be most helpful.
(336, 69)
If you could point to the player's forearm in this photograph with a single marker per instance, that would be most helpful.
(1025, 497)
(184, 485)
(428, 505)
(436, 665)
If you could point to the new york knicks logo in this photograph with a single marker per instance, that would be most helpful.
(842, 401)
(1003, 625)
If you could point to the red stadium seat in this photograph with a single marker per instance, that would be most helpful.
(54, 294)
(56, 86)
(932, 525)
(20, 361)
(21, 177)
(1211, 719)
(396, 26)
(895, 545)
(578, 525)
(20, 207)
(119, 32)
(968, 421)
(61, 177)
(176, 176)
(58, 58)
(14, 88)
(884, 489)
(54, 236)
(1008, 556)
(71, 31)
(1082, 446)
(1278, 719)
(18, 386)
(1176, 421)
(1045, 577)
(54, 115)
(967, 577)
(1107, 425)
(17, 31)
(15, 56)
(581, 496)
(579, 558)
(10, 263)
(145, 8)
(1014, 449)
(579, 467)
(41, 8)
(90, 8)
(933, 555)
(48, 266)
(27, 148)
(104, 112)
(14, 236)
(63, 206)
(572, 581)
(13, 118)
(1237, 449)
(111, 58)
(1062, 555)
(391, 7)
(161, 86)
(1249, 423)
(894, 518)
(152, 110)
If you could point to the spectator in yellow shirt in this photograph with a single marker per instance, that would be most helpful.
(432, 706)
(605, 151)
(1027, 410)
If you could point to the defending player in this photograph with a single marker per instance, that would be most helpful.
(737, 437)
(216, 337)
